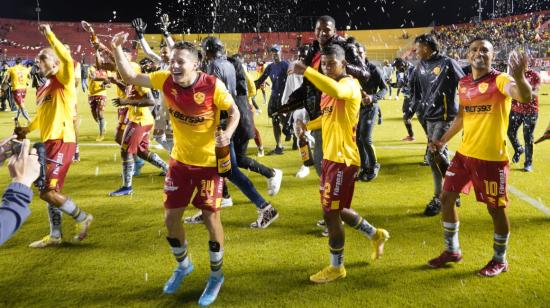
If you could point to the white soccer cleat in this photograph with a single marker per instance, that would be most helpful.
(274, 183)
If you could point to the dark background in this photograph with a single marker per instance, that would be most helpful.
(275, 15)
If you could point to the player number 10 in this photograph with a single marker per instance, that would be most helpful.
(491, 188)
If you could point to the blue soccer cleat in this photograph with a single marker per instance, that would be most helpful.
(138, 164)
(211, 291)
(172, 285)
(123, 191)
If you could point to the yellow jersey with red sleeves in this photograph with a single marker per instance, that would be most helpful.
(194, 114)
(139, 115)
(19, 77)
(340, 104)
(485, 110)
(96, 87)
(55, 99)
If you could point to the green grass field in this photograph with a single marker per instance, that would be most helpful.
(126, 260)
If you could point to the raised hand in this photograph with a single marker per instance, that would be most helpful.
(44, 28)
(164, 22)
(24, 168)
(517, 64)
(140, 26)
(119, 39)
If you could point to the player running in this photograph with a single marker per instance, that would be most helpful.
(481, 160)
(194, 101)
(340, 103)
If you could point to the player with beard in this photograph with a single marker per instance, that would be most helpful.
(481, 160)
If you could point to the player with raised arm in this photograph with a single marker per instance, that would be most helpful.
(54, 119)
(194, 101)
(481, 160)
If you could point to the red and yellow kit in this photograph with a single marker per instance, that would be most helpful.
(486, 108)
(482, 160)
(55, 99)
(19, 77)
(195, 116)
(340, 103)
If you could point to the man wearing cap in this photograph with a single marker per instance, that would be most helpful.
(276, 71)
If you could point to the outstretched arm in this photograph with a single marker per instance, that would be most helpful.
(65, 75)
(128, 75)
(520, 90)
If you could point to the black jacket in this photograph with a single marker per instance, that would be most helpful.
(375, 85)
(433, 88)
(307, 95)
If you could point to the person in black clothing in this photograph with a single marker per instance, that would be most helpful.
(216, 64)
(374, 90)
(434, 86)
(404, 73)
(310, 97)
(241, 139)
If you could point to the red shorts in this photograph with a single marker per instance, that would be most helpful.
(136, 138)
(122, 119)
(337, 185)
(61, 152)
(489, 179)
(97, 102)
(182, 180)
(19, 96)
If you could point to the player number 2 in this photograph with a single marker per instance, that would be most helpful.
(491, 188)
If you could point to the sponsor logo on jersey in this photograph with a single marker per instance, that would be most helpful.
(185, 118)
(478, 108)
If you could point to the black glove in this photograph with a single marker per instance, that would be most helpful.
(140, 26)
(164, 24)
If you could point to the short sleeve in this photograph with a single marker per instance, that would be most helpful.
(222, 98)
(503, 81)
(158, 78)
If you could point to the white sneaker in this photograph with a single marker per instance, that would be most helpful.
(274, 183)
(261, 152)
(303, 172)
(195, 219)
(226, 202)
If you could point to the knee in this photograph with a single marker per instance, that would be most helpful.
(172, 220)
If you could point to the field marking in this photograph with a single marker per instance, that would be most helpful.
(518, 193)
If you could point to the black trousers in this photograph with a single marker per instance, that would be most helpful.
(529, 122)
(367, 120)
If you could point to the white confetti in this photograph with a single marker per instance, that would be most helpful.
(97, 171)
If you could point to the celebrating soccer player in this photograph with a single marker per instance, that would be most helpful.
(54, 119)
(97, 96)
(481, 160)
(19, 79)
(194, 101)
(340, 103)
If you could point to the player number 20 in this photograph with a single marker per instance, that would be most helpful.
(491, 188)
